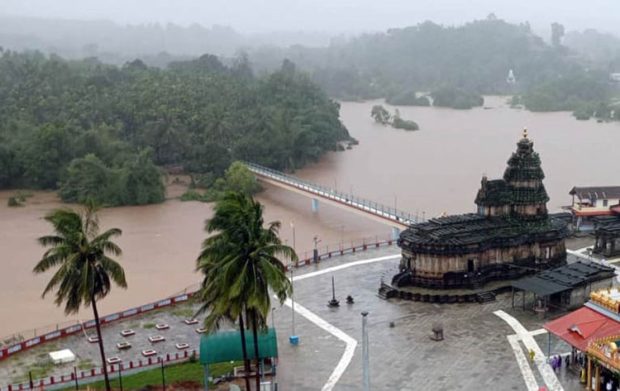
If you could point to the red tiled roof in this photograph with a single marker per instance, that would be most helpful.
(607, 212)
(582, 326)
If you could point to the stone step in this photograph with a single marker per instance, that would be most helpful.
(484, 297)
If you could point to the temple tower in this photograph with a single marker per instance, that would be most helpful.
(521, 193)
(524, 176)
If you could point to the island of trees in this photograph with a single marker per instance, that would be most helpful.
(382, 116)
(106, 133)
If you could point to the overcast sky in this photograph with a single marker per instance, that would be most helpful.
(325, 15)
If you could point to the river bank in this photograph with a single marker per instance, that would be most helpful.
(429, 172)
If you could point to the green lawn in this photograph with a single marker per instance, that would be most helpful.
(174, 373)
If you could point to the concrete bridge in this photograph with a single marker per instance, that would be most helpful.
(384, 214)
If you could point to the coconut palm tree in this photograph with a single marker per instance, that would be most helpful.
(84, 271)
(241, 263)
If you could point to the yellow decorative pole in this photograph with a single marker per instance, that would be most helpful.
(589, 375)
(597, 387)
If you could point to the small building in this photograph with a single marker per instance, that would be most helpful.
(565, 287)
(607, 234)
(595, 201)
(511, 79)
(593, 330)
(62, 356)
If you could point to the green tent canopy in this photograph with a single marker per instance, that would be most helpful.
(226, 346)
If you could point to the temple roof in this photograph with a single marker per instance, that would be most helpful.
(596, 192)
(471, 229)
(607, 224)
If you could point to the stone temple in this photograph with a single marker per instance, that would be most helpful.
(511, 235)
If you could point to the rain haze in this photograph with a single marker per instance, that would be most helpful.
(254, 16)
(428, 165)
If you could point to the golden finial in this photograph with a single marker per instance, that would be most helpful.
(524, 132)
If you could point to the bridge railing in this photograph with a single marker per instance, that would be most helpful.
(373, 207)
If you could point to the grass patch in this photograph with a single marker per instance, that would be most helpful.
(148, 326)
(39, 371)
(183, 312)
(85, 364)
(174, 373)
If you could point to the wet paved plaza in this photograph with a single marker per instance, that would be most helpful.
(475, 354)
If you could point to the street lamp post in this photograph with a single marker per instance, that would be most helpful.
(365, 355)
(294, 247)
(293, 339)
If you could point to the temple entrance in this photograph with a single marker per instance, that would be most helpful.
(470, 266)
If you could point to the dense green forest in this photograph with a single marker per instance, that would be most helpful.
(456, 65)
(100, 131)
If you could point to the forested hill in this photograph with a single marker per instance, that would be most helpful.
(475, 56)
(456, 65)
(80, 122)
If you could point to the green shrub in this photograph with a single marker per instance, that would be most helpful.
(14, 201)
(400, 123)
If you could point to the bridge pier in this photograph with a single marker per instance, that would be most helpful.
(315, 205)
(395, 233)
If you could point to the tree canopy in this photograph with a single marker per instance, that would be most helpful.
(84, 269)
(456, 65)
(382, 116)
(474, 57)
(62, 122)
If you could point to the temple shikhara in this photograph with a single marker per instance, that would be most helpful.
(511, 235)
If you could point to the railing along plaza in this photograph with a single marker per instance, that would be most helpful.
(386, 212)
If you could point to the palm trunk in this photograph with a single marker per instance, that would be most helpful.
(98, 327)
(255, 334)
(244, 349)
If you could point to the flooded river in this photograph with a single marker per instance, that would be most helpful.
(429, 172)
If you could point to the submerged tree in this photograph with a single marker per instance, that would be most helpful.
(84, 269)
(380, 114)
(241, 262)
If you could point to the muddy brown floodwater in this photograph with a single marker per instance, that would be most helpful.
(429, 172)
